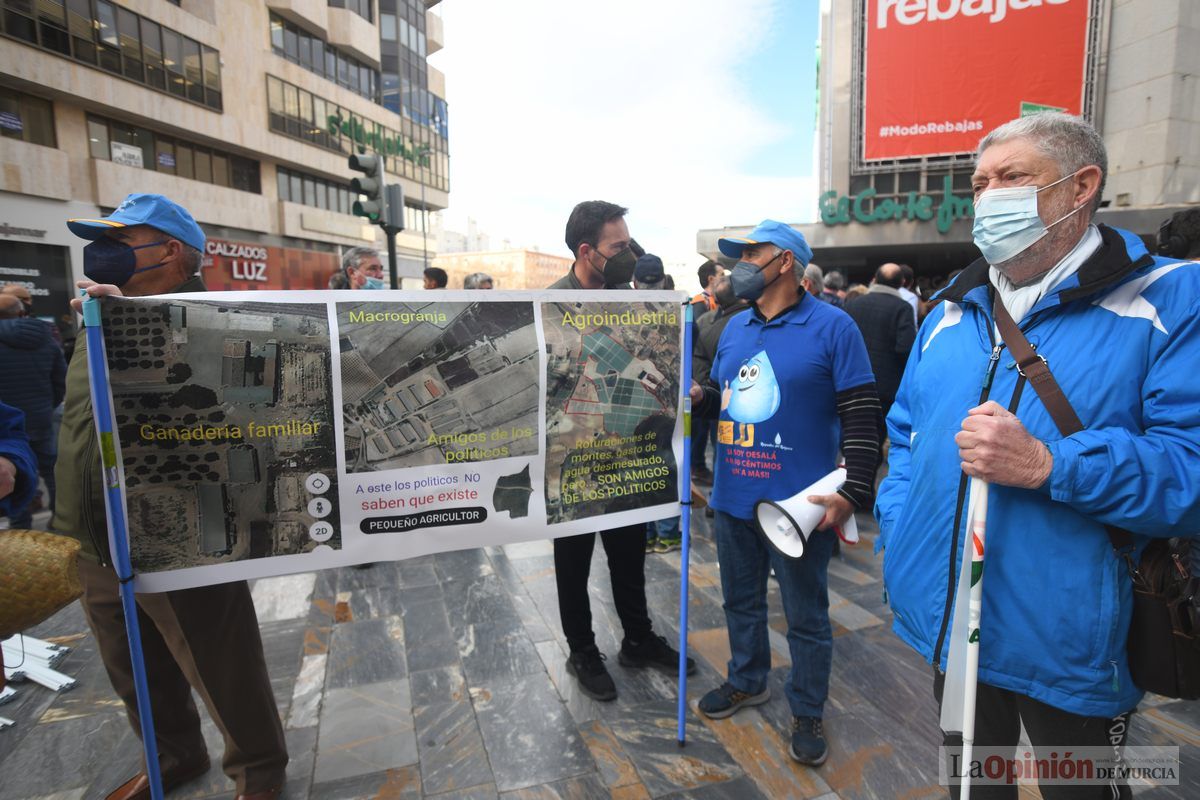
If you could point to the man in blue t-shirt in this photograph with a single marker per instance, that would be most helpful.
(787, 378)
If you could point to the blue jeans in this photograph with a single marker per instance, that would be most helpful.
(745, 557)
(663, 529)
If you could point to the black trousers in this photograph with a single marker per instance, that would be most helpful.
(999, 715)
(626, 551)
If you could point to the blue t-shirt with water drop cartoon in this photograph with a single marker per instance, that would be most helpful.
(778, 430)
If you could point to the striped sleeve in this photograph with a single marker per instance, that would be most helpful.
(859, 410)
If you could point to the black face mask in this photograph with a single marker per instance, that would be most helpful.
(618, 270)
(109, 261)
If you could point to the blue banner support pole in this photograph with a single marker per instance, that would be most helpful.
(102, 412)
(685, 503)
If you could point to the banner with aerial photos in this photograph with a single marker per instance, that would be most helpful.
(264, 433)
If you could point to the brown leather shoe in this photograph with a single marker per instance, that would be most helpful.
(266, 794)
(138, 787)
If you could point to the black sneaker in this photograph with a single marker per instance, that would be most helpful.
(725, 700)
(653, 652)
(588, 668)
(808, 741)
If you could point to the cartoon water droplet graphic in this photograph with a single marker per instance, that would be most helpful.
(755, 392)
(778, 440)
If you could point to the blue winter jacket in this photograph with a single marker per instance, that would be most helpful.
(1122, 336)
(15, 447)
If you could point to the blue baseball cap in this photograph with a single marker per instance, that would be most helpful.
(154, 210)
(780, 234)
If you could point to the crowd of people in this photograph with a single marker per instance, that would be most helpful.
(790, 367)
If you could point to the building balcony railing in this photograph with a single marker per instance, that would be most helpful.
(435, 33)
(348, 31)
(310, 14)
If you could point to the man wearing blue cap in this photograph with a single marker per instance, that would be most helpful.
(786, 377)
(207, 638)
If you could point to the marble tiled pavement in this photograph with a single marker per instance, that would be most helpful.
(444, 677)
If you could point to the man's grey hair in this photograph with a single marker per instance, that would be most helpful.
(835, 281)
(1069, 141)
(813, 274)
(192, 259)
(354, 256)
(476, 279)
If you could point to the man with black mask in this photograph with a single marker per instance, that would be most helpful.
(605, 257)
(599, 239)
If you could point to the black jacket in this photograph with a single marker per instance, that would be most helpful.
(708, 333)
(886, 322)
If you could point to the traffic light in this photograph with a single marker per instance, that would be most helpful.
(370, 186)
(393, 212)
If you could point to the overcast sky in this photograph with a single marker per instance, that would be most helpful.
(693, 113)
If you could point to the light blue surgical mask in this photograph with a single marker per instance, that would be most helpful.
(1007, 221)
(374, 283)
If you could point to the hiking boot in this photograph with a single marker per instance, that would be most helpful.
(652, 545)
(588, 668)
(653, 652)
(808, 741)
(663, 545)
(725, 701)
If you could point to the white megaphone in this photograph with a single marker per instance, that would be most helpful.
(787, 524)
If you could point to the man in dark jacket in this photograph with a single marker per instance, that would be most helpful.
(704, 348)
(604, 259)
(709, 328)
(35, 384)
(886, 321)
(205, 638)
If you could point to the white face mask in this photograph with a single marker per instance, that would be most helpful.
(1007, 221)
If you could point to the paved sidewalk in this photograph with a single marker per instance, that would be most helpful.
(444, 677)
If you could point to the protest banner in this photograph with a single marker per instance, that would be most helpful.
(264, 433)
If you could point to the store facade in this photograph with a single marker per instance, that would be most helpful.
(900, 115)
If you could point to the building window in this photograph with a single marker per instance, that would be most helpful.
(27, 118)
(360, 7)
(115, 39)
(309, 190)
(405, 75)
(136, 146)
(315, 55)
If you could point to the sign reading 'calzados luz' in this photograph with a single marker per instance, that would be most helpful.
(262, 433)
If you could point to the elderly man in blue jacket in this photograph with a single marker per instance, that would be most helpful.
(1120, 331)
